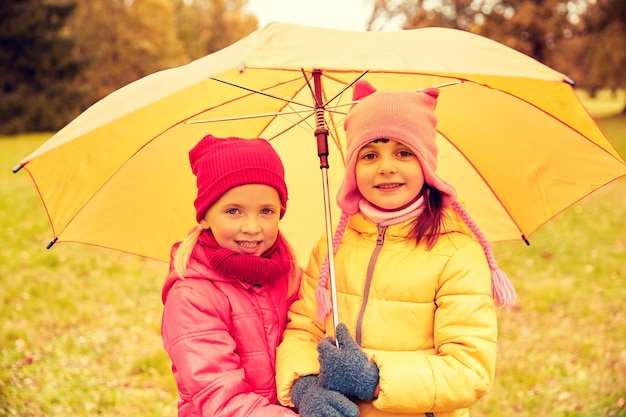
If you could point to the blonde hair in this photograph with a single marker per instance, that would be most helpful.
(181, 258)
(295, 272)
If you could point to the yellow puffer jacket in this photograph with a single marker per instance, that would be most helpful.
(426, 318)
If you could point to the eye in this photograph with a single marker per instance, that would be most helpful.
(368, 156)
(404, 154)
(232, 211)
(267, 211)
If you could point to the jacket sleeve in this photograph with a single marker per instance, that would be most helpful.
(297, 353)
(461, 367)
(196, 336)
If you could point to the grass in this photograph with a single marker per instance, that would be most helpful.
(80, 325)
(605, 103)
(562, 350)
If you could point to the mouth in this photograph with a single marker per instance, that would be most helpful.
(388, 186)
(248, 244)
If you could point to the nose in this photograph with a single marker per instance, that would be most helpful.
(387, 165)
(251, 225)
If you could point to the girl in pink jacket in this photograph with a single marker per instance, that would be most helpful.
(230, 283)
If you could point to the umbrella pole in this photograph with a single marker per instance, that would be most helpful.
(329, 244)
(321, 135)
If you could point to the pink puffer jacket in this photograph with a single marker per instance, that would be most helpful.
(221, 335)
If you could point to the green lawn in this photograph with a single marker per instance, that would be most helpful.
(80, 325)
(562, 351)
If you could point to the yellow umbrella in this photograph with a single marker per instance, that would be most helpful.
(514, 138)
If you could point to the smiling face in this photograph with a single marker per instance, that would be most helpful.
(388, 174)
(245, 219)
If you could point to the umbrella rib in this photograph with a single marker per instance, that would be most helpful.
(291, 127)
(263, 93)
(346, 88)
(334, 108)
(350, 103)
(251, 116)
(523, 235)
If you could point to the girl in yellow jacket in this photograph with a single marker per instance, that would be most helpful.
(417, 283)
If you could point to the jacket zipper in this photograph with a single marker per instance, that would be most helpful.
(380, 239)
(368, 281)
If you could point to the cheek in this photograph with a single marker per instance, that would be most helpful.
(419, 175)
(272, 228)
(361, 176)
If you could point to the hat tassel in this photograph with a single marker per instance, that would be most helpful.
(324, 305)
(322, 295)
(502, 288)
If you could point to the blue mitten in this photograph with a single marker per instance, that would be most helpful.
(313, 400)
(346, 369)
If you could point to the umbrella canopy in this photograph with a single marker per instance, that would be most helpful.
(514, 139)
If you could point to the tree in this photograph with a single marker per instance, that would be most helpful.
(585, 39)
(530, 26)
(534, 27)
(122, 41)
(57, 57)
(36, 65)
(206, 26)
(605, 44)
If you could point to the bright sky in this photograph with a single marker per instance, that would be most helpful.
(334, 14)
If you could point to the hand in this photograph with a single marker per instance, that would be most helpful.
(346, 369)
(312, 400)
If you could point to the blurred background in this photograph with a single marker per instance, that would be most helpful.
(57, 57)
(79, 326)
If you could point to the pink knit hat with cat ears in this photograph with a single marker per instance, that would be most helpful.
(404, 116)
(407, 117)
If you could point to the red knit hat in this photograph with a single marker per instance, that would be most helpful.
(405, 116)
(224, 163)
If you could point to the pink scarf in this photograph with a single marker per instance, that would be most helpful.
(385, 218)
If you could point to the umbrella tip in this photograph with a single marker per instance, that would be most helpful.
(52, 242)
(18, 167)
(569, 81)
(525, 240)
